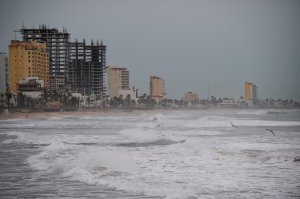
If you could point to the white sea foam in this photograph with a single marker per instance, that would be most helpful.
(265, 111)
(55, 118)
(200, 154)
(209, 121)
(19, 137)
(99, 157)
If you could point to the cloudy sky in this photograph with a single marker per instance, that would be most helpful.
(192, 44)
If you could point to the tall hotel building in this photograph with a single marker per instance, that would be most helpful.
(4, 75)
(27, 59)
(157, 87)
(250, 91)
(87, 68)
(57, 44)
(118, 79)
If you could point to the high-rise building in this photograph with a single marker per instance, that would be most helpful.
(250, 91)
(247, 90)
(87, 68)
(27, 59)
(118, 79)
(157, 87)
(4, 72)
(57, 44)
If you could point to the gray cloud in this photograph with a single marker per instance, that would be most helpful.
(189, 43)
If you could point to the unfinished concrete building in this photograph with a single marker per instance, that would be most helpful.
(87, 68)
(57, 44)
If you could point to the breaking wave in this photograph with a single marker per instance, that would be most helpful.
(170, 155)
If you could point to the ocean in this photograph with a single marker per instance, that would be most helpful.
(222, 153)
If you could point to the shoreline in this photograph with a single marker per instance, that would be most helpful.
(101, 112)
(90, 112)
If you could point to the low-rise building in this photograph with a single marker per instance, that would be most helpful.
(230, 102)
(130, 92)
(31, 87)
(190, 97)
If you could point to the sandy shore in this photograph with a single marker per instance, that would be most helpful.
(46, 115)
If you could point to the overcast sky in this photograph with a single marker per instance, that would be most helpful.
(189, 43)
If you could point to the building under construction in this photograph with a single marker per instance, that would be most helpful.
(87, 68)
(57, 44)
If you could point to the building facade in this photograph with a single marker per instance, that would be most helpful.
(118, 80)
(30, 84)
(27, 59)
(254, 90)
(57, 44)
(133, 93)
(190, 97)
(31, 87)
(86, 72)
(4, 72)
(250, 91)
(157, 87)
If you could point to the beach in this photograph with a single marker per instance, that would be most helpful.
(83, 112)
(46, 115)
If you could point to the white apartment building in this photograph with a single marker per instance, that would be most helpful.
(118, 79)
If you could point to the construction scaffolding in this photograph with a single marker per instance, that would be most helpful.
(87, 68)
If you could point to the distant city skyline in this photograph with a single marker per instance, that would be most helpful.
(194, 45)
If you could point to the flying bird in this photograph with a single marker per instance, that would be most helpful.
(233, 125)
(270, 130)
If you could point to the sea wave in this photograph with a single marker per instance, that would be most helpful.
(167, 155)
(266, 111)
